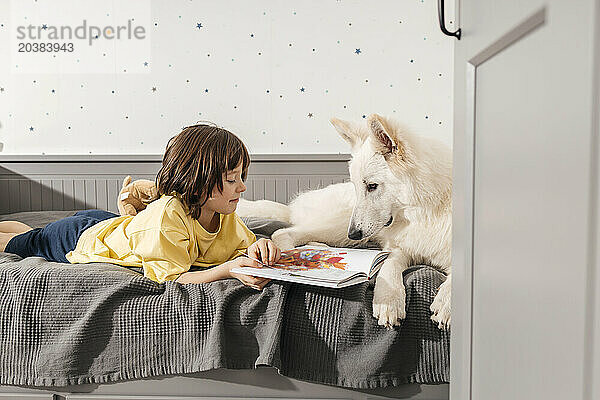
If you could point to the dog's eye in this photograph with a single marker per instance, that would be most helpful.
(371, 187)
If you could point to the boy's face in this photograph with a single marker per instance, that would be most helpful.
(227, 201)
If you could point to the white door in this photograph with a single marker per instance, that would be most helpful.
(524, 197)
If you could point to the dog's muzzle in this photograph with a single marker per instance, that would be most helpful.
(389, 222)
(355, 234)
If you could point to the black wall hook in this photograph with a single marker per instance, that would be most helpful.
(443, 21)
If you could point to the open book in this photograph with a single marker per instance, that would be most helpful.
(333, 267)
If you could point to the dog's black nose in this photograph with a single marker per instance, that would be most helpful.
(355, 234)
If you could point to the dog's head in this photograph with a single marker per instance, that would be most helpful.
(391, 169)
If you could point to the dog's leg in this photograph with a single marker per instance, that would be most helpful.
(263, 209)
(441, 304)
(288, 238)
(390, 296)
(332, 233)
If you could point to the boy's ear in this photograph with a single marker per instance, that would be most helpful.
(346, 131)
(386, 139)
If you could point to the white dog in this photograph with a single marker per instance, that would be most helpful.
(399, 197)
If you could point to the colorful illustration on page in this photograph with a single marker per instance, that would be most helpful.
(309, 259)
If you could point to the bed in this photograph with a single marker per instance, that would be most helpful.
(90, 331)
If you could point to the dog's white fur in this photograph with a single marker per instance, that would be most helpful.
(395, 176)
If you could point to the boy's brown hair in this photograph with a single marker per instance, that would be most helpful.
(195, 161)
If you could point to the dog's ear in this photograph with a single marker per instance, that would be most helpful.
(345, 130)
(386, 141)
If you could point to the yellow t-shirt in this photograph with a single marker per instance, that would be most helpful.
(163, 240)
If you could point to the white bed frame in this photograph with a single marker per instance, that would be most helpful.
(34, 183)
(230, 384)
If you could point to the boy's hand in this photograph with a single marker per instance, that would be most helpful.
(252, 281)
(265, 251)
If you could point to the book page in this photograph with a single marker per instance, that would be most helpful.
(326, 261)
(276, 274)
(311, 264)
(326, 276)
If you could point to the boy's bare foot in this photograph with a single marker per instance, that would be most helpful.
(14, 227)
(5, 238)
(10, 229)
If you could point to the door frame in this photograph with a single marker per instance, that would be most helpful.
(463, 207)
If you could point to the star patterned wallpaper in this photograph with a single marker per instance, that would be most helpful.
(272, 72)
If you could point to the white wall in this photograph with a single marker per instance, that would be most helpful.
(253, 57)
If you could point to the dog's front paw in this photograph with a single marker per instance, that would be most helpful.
(283, 239)
(441, 307)
(388, 306)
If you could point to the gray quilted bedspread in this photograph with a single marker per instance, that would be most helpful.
(66, 324)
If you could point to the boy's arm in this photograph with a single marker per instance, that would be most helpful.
(209, 275)
(223, 271)
(244, 236)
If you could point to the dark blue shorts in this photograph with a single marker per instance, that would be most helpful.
(57, 238)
